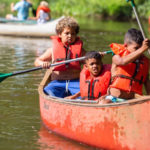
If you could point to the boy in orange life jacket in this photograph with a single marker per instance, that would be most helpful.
(66, 45)
(94, 78)
(129, 68)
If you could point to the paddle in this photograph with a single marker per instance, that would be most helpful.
(138, 20)
(3, 76)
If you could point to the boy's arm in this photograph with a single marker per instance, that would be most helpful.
(73, 96)
(132, 56)
(12, 7)
(44, 59)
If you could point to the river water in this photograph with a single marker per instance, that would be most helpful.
(20, 123)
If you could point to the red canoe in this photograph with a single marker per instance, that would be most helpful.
(120, 126)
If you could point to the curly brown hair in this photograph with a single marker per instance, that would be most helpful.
(67, 22)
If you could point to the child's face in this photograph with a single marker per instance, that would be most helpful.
(68, 36)
(94, 66)
(133, 46)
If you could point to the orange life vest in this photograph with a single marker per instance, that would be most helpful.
(94, 87)
(130, 77)
(62, 53)
(44, 8)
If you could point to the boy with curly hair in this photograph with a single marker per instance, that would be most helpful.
(66, 45)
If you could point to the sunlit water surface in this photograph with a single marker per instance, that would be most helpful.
(20, 123)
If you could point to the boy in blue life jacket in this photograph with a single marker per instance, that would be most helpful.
(94, 78)
(66, 45)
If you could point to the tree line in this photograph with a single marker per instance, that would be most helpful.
(103, 9)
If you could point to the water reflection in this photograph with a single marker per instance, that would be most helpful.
(50, 141)
(19, 45)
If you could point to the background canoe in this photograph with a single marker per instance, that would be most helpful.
(4, 20)
(117, 126)
(29, 30)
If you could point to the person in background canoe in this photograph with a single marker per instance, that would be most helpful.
(66, 45)
(22, 9)
(130, 68)
(42, 13)
(94, 78)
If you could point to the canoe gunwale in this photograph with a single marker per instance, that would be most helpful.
(86, 103)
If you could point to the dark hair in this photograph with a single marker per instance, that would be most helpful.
(93, 54)
(133, 35)
(67, 22)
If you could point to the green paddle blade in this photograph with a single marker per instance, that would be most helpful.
(110, 51)
(3, 76)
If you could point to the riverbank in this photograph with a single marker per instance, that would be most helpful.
(101, 9)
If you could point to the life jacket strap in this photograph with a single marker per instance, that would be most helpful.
(126, 77)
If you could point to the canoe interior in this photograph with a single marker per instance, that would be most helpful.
(47, 79)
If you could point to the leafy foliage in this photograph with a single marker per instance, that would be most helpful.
(114, 9)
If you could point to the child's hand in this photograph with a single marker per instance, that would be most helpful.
(145, 44)
(102, 100)
(102, 53)
(46, 65)
(73, 96)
